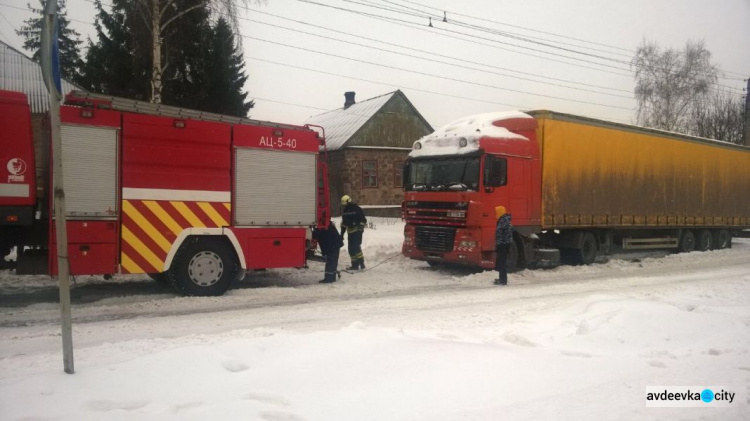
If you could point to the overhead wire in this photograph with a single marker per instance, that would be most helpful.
(741, 75)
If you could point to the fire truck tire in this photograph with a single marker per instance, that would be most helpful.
(204, 266)
(160, 278)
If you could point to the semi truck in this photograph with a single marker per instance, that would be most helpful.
(576, 188)
(191, 198)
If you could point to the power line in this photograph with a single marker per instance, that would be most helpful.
(485, 29)
(430, 74)
(419, 27)
(397, 21)
(518, 107)
(276, 26)
(742, 75)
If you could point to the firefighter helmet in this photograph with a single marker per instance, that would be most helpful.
(345, 199)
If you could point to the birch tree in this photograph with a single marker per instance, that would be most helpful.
(158, 15)
(670, 84)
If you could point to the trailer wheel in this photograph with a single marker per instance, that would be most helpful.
(204, 266)
(723, 239)
(512, 262)
(687, 242)
(705, 240)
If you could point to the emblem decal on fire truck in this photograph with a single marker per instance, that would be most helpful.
(16, 168)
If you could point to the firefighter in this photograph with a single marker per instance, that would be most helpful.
(503, 238)
(354, 220)
(330, 242)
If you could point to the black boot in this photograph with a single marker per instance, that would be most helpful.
(362, 264)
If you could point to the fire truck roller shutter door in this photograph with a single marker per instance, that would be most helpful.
(275, 188)
(90, 171)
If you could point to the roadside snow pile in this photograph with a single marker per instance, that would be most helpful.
(582, 357)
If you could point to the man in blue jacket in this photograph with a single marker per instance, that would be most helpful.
(330, 242)
(503, 239)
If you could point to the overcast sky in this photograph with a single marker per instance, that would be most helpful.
(569, 56)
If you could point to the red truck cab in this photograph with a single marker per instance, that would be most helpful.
(454, 179)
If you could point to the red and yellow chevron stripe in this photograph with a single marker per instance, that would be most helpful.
(149, 227)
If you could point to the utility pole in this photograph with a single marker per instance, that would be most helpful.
(51, 72)
(747, 114)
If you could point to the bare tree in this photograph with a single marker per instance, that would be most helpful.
(670, 84)
(159, 14)
(719, 117)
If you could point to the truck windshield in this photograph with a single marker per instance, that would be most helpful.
(445, 174)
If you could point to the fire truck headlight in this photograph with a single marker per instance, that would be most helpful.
(417, 145)
(469, 244)
(462, 142)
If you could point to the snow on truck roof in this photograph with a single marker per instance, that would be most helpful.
(462, 136)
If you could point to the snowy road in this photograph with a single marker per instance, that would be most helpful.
(606, 331)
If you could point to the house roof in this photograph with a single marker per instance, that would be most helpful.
(22, 74)
(341, 124)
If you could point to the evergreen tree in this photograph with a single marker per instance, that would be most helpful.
(68, 39)
(225, 79)
(117, 64)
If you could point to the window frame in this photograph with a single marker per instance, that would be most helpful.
(365, 175)
(398, 173)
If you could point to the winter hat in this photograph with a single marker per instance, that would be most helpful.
(499, 211)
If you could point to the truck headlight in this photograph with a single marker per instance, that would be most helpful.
(468, 244)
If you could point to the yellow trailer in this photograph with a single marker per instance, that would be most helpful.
(599, 174)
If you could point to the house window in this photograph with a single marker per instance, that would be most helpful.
(398, 174)
(369, 173)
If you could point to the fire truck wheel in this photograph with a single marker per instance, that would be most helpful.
(204, 266)
(160, 278)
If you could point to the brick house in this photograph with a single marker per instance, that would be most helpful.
(367, 144)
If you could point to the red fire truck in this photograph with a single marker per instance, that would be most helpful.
(192, 198)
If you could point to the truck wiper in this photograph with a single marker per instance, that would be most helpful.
(458, 186)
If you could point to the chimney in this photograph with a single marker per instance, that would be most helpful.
(349, 99)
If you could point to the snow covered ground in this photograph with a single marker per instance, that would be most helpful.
(401, 341)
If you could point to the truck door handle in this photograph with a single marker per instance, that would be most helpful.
(276, 243)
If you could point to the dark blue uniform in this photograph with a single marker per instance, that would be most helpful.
(354, 220)
(330, 242)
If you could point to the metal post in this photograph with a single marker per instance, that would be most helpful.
(747, 114)
(50, 69)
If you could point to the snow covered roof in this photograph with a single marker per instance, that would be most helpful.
(341, 124)
(448, 139)
(22, 74)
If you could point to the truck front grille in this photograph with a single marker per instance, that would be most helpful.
(438, 239)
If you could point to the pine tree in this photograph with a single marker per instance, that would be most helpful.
(68, 39)
(117, 64)
(226, 77)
